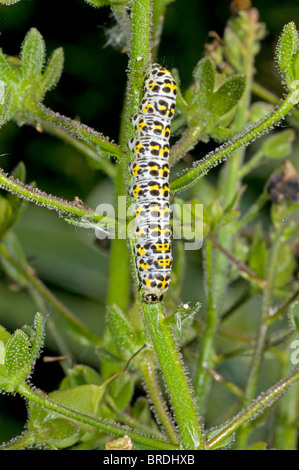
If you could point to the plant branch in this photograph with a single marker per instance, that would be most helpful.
(150, 377)
(260, 342)
(110, 427)
(201, 168)
(255, 408)
(74, 209)
(40, 115)
(47, 295)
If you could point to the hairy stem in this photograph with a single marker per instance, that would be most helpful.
(119, 273)
(48, 296)
(160, 334)
(255, 408)
(111, 428)
(173, 372)
(252, 378)
(150, 377)
(212, 159)
(40, 115)
(206, 353)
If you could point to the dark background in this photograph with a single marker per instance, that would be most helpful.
(92, 88)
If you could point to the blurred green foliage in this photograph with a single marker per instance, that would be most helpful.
(92, 88)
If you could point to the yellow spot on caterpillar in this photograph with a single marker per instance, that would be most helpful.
(141, 125)
(135, 170)
(138, 147)
(161, 247)
(144, 265)
(170, 85)
(147, 107)
(141, 250)
(136, 191)
(138, 211)
(163, 263)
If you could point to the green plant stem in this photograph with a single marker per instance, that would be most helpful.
(149, 374)
(206, 353)
(159, 7)
(46, 294)
(252, 378)
(119, 272)
(255, 408)
(248, 167)
(284, 307)
(72, 209)
(40, 115)
(133, 423)
(188, 140)
(160, 334)
(86, 149)
(241, 266)
(216, 270)
(286, 429)
(233, 388)
(190, 436)
(267, 95)
(195, 174)
(25, 440)
(41, 399)
(119, 267)
(252, 212)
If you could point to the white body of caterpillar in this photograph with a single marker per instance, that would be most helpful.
(150, 189)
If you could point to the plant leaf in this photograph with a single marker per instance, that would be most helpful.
(53, 70)
(32, 54)
(228, 95)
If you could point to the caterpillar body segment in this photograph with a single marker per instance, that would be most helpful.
(150, 188)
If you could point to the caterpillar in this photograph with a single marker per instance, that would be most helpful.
(150, 188)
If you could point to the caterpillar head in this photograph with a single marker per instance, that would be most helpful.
(151, 298)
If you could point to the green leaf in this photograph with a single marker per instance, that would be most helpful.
(121, 390)
(286, 267)
(2, 352)
(180, 101)
(15, 249)
(215, 212)
(184, 318)
(85, 397)
(32, 54)
(294, 315)
(295, 66)
(59, 432)
(5, 216)
(53, 70)
(52, 429)
(6, 72)
(226, 442)
(38, 340)
(104, 3)
(6, 96)
(278, 145)
(228, 95)
(17, 357)
(259, 110)
(258, 253)
(285, 50)
(4, 336)
(80, 375)
(17, 204)
(8, 2)
(257, 446)
(204, 73)
(125, 338)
